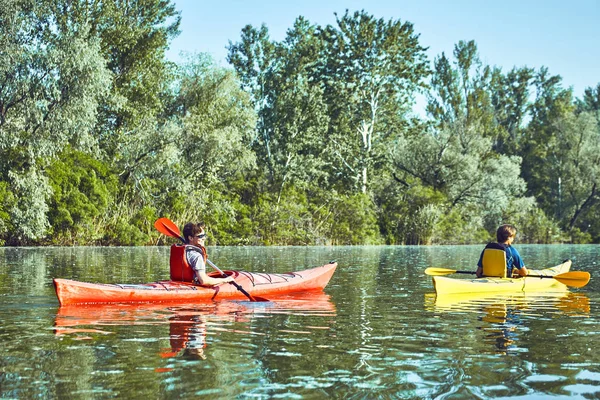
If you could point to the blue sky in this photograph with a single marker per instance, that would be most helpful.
(561, 35)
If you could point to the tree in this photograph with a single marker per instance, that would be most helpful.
(83, 189)
(292, 114)
(52, 79)
(373, 67)
(591, 99)
(463, 172)
(460, 94)
(135, 35)
(590, 102)
(454, 165)
(551, 104)
(253, 59)
(574, 164)
(355, 80)
(510, 98)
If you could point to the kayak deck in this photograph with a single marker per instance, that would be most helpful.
(257, 284)
(445, 285)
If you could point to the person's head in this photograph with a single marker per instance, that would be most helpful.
(194, 233)
(505, 232)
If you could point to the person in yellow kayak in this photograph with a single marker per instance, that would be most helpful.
(501, 259)
(196, 255)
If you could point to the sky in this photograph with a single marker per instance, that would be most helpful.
(562, 35)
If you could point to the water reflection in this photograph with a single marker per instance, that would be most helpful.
(189, 324)
(502, 315)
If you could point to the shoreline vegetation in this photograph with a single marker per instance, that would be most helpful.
(309, 141)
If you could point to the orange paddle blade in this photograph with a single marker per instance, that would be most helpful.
(167, 227)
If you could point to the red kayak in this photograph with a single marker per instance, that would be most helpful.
(256, 284)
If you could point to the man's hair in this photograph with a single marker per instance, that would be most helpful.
(504, 232)
(192, 229)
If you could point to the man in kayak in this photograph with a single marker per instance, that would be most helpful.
(196, 254)
(511, 257)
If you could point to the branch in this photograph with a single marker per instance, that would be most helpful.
(587, 203)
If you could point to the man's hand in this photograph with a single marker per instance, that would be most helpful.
(479, 272)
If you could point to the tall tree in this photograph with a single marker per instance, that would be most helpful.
(292, 114)
(204, 148)
(552, 103)
(510, 98)
(52, 80)
(134, 36)
(573, 167)
(590, 102)
(255, 62)
(460, 90)
(373, 68)
(591, 99)
(455, 164)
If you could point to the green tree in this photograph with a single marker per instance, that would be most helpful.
(574, 164)
(254, 60)
(453, 166)
(83, 189)
(591, 99)
(460, 94)
(551, 104)
(135, 35)
(292, 114)
(590, 102)
(53, 79)
(356, 80)
(463, 172)
(373, 68)
(510, 95)
(184, 165)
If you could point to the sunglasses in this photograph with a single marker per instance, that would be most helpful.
(201, 236)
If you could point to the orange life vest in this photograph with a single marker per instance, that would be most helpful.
(180, 268)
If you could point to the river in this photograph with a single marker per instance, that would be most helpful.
(377, 331)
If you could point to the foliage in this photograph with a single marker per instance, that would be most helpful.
(292, 117)
(373, 68)
(350, 84)
(308, 140)
(354, 220)
(7, 201)
(83, 189)
(28, 214)
(574, 164)
(536, 227)
(52, 78)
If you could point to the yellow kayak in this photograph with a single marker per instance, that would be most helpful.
(541, 281)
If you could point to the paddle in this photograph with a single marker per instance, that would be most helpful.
(574, 278)
(167, 227)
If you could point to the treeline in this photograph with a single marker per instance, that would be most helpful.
(310, 140)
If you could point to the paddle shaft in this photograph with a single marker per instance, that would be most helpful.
(484, 276)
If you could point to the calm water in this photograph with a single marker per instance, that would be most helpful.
(377, 331)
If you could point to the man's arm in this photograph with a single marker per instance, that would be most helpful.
(523, 271)
(206, 280)
(196, 261)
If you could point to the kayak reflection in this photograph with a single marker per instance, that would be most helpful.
(503, 314)
(559, 299)
(189, 324)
